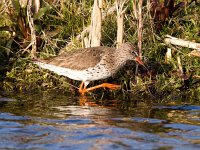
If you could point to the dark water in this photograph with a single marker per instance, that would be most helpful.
(47, 121)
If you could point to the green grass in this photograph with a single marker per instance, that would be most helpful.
(61, 24)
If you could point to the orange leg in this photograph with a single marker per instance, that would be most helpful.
(82, 88)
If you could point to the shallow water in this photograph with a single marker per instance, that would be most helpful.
(56, 121)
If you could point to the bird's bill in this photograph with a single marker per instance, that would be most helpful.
(139, 61)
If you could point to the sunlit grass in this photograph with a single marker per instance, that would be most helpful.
(62, 23)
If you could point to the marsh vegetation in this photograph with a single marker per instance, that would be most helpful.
(57, 26)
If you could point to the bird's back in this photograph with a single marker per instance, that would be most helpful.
(80, 59)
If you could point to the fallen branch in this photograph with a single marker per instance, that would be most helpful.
(180, 42)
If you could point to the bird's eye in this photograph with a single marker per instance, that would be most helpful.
(133, 52)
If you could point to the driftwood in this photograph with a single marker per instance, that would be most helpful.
(180, 42)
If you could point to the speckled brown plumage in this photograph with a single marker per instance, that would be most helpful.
(80, 59)
(91, 64)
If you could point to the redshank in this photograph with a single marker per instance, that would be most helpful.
(90, 64)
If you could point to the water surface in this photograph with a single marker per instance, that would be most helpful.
(56, 121)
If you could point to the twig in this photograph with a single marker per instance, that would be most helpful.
(140, 26)
(180, 42)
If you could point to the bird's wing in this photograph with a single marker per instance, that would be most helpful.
(80, 59)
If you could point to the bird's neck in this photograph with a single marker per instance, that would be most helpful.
(121, 59)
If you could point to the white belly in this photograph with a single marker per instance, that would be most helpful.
(89, 74)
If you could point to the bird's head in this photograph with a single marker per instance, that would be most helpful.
(129, 51)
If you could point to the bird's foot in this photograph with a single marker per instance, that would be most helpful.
(111, 86)
(103, 85)
(83, 89)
